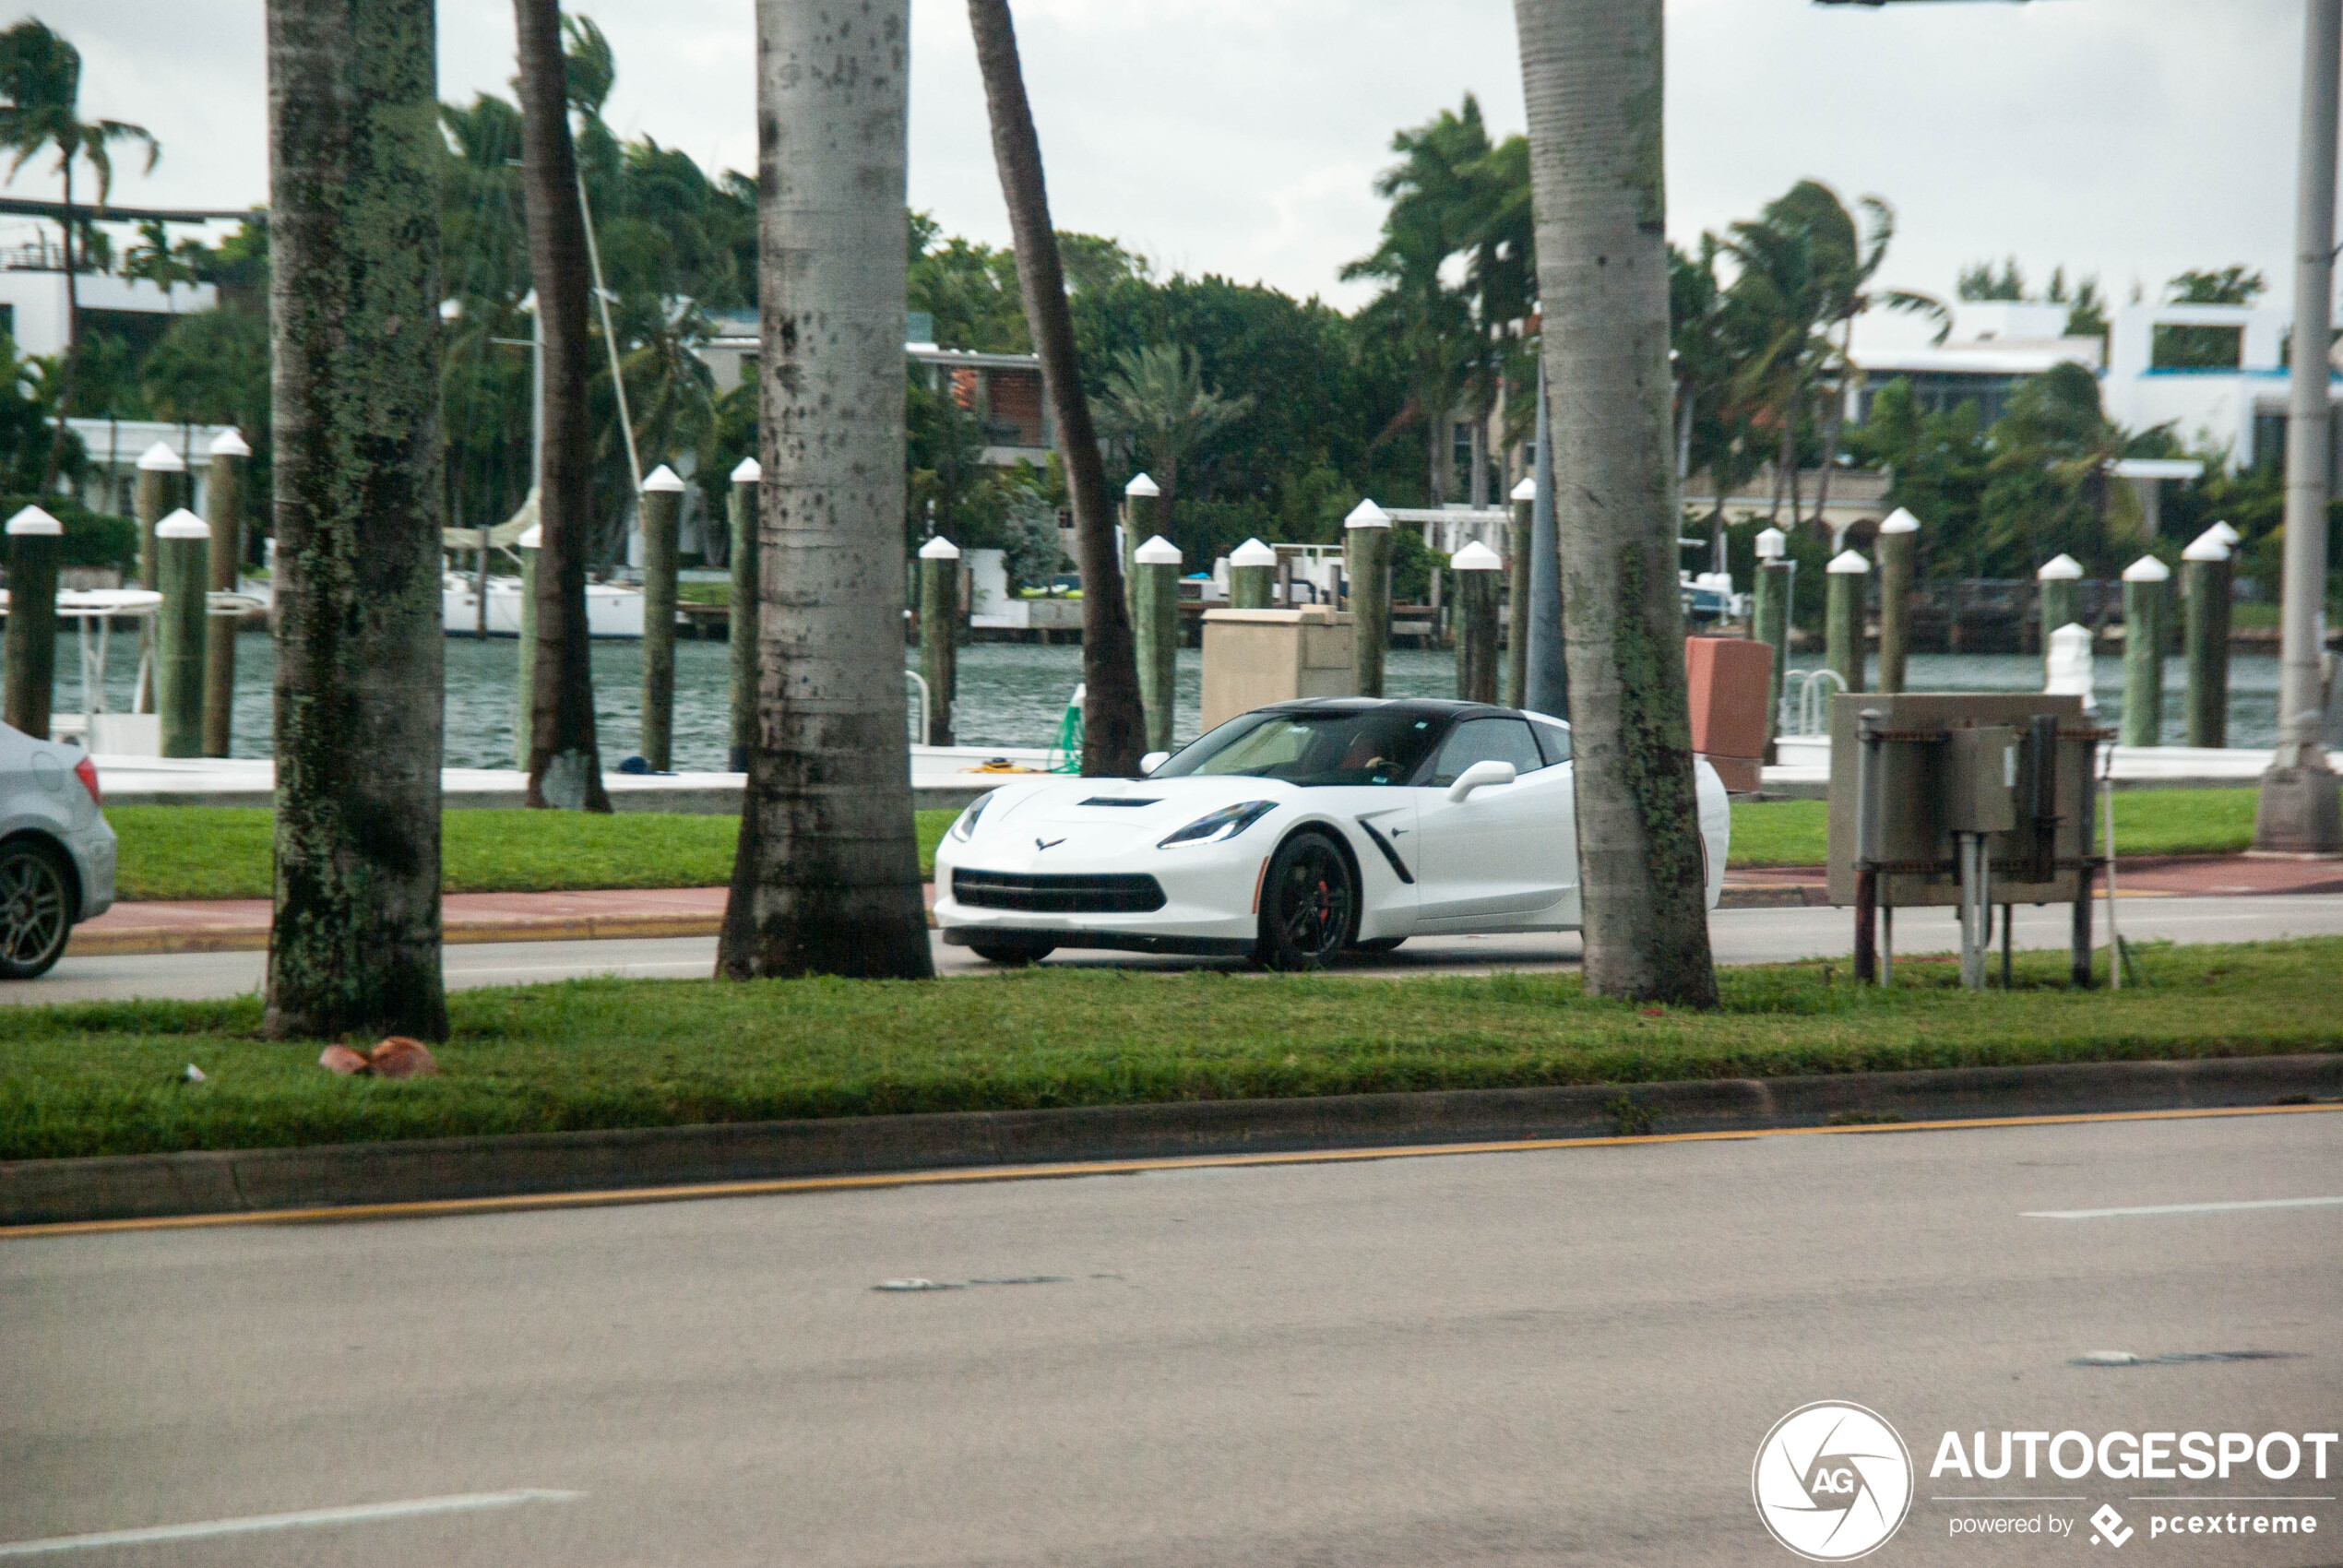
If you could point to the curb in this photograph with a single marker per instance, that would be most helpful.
(439, 1169)
(254, 938)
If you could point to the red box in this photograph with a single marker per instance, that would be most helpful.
(1729, 681)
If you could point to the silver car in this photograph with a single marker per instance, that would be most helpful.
(56, 851)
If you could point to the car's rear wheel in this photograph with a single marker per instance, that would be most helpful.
(1014, 954)
(36, 908)
(1309, 904)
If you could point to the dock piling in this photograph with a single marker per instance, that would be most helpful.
(661, 512)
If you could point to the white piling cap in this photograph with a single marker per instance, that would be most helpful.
(939, 549)
(183, 524)
(160, 459)
(2147, 569)
(1253, 553)
(532, 536)
(2069, 665)
(2059, 569)
(2206, 546)
(230, 443)
(33, 520)
(661, 481)
(1901, 521)
(1846, 563)
(747, 471)
(1475, 557)
(1528, 489)
(1157, 552)
(2229, 536)
(1142, 485)
(1367, 514)
(1772, 544)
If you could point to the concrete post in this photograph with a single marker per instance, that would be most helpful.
(1898, 568)
(224, 509)
(1843, 617)
(2205, 588)
(1142, 519)
(183, 569)
(940, 636)
(739, 615)
(1769, 621)
(662, 506)
(1476, 569)
(2300, 810)
(525, 688)
(2146, 586)
(1366, 563)
(1155, 629)
(2059, 589)
(1253, 570)
(35, 541)
(1518, 547)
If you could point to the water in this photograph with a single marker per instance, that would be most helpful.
(1015, 694)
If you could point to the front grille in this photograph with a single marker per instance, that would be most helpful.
(1058, 895)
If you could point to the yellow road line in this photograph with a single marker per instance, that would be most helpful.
(966, 1175)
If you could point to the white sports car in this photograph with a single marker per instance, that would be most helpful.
(1287, 835)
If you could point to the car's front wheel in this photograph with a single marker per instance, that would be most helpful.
(1309, 904)
(1016, 955)
(36, 908)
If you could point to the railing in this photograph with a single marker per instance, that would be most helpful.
(1806, 692)
(918, 736)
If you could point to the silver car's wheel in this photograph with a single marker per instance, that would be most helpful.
(36, 908)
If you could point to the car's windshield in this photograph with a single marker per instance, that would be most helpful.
(1337, 747)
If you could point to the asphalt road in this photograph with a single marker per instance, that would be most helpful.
(1740, 936)
(1557, 1357)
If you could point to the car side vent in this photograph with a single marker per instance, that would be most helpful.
(1119, 801)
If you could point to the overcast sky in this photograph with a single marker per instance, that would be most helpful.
(2127, 137)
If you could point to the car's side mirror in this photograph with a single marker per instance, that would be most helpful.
(1479, 775)
(1152, 761)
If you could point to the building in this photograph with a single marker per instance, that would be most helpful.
(2218, 374)
(111, 481)
(32, 304)
(1994, 344)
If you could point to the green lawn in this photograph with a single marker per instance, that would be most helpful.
(107, 1078)
(2147, 822)
(222, 851)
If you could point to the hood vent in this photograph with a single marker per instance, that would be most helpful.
(1132, 801)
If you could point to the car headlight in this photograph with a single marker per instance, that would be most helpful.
(964, 828)
(1221, 825)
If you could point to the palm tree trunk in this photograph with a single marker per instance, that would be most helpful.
(1831, 426)
(354, 330)
(73, 348)
(827, 880)
(1592, 76)
(1113, 729)
(564, 759)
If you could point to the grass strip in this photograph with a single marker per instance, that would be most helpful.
(223, 851)
(2147, 822)
(108, 1078)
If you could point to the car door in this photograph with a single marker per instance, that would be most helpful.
(1504, 857)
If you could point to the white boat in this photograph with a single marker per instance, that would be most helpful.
(610, 611)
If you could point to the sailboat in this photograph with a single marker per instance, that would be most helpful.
(612, 609)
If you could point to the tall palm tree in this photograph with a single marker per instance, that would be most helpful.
(1157, 397)
(1591, 72)
(828, 875)
(1113, 737)
(40, 82)
(564, 759)
(353, 307)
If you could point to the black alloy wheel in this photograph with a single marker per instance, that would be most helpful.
(1309, 904)
(1014, 954)
(36, 908)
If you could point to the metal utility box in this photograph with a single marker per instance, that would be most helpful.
(2040, 776)
(1980, 779)
(1254, 658)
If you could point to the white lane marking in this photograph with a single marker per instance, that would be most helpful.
(2178, 1208)
(363, 1513)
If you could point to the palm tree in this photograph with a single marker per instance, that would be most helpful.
(40, 82)
(1113, 737)
(564, 760)
(354, 292)
(1157, 397)
(1591, 75)
(827, 880)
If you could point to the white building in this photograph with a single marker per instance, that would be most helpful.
(33, 307)
(1994, 346)
(111, 481)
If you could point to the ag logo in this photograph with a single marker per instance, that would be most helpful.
(1832, 1481)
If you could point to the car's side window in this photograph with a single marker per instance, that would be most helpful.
(1552, 740)
(1485, 740)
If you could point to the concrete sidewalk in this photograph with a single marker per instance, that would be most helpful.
(229, 925)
